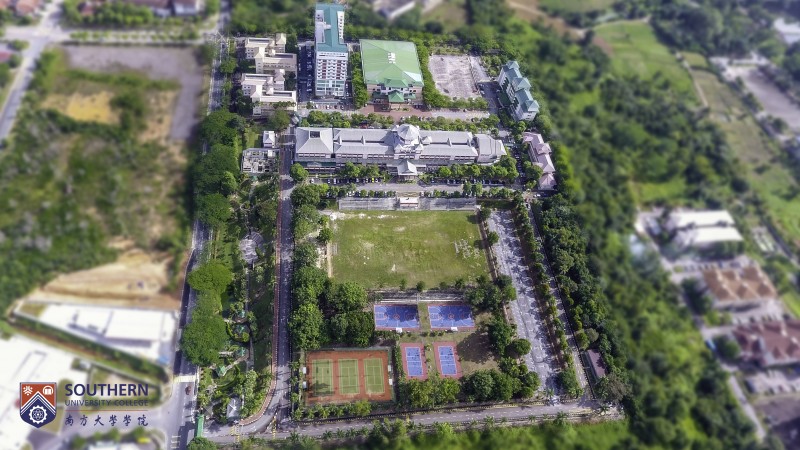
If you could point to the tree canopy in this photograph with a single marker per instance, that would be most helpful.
(212, 276)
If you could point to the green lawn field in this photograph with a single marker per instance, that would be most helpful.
(576, 5)
(634, 48)
(761, 158)
(381, 248)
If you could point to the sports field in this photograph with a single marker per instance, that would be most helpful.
(338, 376)
(382, 248)
(634, 48)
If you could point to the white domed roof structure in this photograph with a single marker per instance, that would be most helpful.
(407, 133)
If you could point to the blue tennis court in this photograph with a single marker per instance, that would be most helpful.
(389, 317)
(449, 316)
(413, 362)
(446, 358)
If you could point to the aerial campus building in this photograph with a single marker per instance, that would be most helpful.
(267, 92)
(330, 51)
(405, 149)
(269, 54)
(701, 229)
(391, 71)
(517, 89)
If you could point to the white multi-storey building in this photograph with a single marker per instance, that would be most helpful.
(331, 53)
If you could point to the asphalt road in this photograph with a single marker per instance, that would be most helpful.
(38, 37)
(526, 310)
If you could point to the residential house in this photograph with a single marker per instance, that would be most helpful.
(404, 150)
(391, 71)
(517, 89)
(738, 289)
(268, 140)
(266, 91)
(26, 7)
(769, 344)
(539, 153)
(330, 51)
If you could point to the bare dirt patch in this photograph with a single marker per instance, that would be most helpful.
(178, 64)
(86, 108)
(452, 76)
(135, 279)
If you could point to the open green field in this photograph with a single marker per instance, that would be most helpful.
(452, 14)
(695, 60)
(764, 163)
(382, 248)
(634, 48)
(575, 5)
(373, 376)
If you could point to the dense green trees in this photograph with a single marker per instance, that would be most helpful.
(213, 209)
(308, 327)
(212, 276)
(298, 173)
(347, 296)
(206, 335)
(360, 94)
(201, 443)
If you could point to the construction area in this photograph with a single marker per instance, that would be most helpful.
(452, 75)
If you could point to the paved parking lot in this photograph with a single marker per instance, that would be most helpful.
(525, 309)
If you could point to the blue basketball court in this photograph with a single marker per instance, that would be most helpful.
(449, 316)
(389, 317)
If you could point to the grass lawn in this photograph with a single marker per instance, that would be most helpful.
(381, 248)
(660, 193)
(452, 14)
(634, 48)
(576, 5)
(765, 164)
(695, 60)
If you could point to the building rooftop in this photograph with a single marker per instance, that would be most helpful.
(146, 334)
(329, 28)
(770, 343)
(521, 87)
(393, 64)
(404, 140)
(739, 285)
(706, 235)
(681, 219)
(268, 139)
